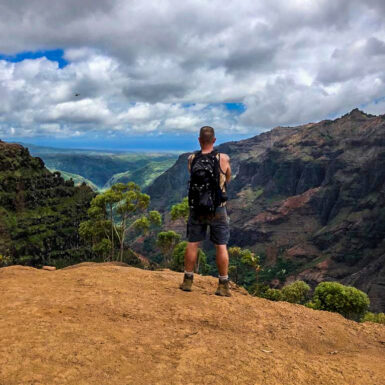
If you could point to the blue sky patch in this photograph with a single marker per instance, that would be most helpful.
(235, 107)
(53, 55)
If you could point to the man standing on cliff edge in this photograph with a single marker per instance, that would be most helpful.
(209, 174)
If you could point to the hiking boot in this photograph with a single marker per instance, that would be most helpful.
(187, 283)
(223, 288)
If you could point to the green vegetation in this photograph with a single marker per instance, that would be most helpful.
(296, 292)
(106, 169)
(180, 210)
(39, 211)
(78, 179)
(166, 242)
(250, 195)
(330, 296)
(374, 317)
(143, 176)
(273, 294)
(243, 266)
(177, 263)
(5, 260)
(346, 300)
(280, 270)
(113, 214)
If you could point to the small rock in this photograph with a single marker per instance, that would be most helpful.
(49, 268)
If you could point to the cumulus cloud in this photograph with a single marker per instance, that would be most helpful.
(171, 66)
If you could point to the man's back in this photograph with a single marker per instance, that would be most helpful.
(225, 169)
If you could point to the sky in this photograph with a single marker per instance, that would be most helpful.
(148, 74)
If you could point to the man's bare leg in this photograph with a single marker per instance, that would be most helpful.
(222, 258)
(190, 256)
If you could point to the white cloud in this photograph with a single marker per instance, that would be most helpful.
(167, 66)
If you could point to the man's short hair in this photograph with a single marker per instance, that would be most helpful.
(207, 134)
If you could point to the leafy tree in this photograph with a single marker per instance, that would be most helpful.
(103, 247)
(180, 210)
(346, 300)
(111, 197)
(296, 292)
(155, 218)
(113, 213)
(178, 259)
(141, 225)
(166, 242)
(244, 265)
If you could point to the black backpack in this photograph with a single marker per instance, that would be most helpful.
(205, 194)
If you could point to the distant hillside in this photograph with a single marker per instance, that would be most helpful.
(39, 211)
(310, 200)
(143, 176)
(100, 167)
(109, 324)
(78, 179)
(36, 150)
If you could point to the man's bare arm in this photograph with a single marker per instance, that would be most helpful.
(189, 162)
(228, 171)
(225, 166)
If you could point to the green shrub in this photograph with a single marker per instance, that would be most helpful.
(258, 289)
(273, 294)
(374, 317)
(346, 300)
(5, 260)
(296, 292)
(243, 266)
(177, 262)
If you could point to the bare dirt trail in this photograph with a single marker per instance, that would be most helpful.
(107, 324)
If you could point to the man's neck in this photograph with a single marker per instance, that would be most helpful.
(207, 149)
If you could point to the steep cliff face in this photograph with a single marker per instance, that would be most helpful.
(311, 197)
(39, 211)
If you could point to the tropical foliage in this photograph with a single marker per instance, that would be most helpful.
(115, 213)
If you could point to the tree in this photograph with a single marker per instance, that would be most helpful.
(155, 218)
(346, 300)
(113, 213)
(166, 242)
(96, 229)
(244, 265)
(112, 196)
(180, 210)
(103, 247)
(178, 259)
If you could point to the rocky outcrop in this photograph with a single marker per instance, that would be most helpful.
(307, 194)
(39, 211)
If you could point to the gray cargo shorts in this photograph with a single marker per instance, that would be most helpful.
(219, 227)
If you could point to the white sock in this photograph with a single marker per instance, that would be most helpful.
(189, 273)
(223, 277)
